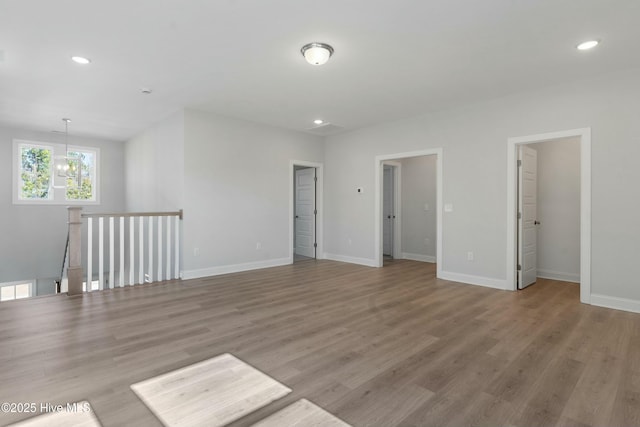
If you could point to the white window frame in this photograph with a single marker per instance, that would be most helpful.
(19, 282)
(57, 196)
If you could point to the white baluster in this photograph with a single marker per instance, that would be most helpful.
(176, 271)
(101, 252)
(159, 278)
(150, 249)
(132, 251)
(89, 254)
(121, 266)
(167, 275)
(141, 249)
(112, 254)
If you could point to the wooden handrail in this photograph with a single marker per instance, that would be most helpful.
(130, 214)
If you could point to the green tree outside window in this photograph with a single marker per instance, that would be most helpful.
(36, 173)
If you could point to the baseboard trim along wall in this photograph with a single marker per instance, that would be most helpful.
(474, 280)
(558, 275)
(234, 268)
(616, 303)
(418, 257)
(353, 260)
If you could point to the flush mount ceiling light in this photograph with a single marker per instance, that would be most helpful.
(81, 60)
(588, 45)
(316, 53)
(318, 121)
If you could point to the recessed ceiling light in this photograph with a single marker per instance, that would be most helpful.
(81, 60)
(318, 121)
(588, 45)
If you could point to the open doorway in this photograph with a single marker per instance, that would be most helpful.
(305, 219)
(391, 210)
(549, 211)
(524, 220)
(408, 200)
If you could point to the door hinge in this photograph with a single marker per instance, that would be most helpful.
(519, 163)
(315, 211)
(519, 215)
(519, 267)
(315, 179)
(315, 245)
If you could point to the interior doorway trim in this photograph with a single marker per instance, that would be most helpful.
(319, 198)
(585, 204)
(379, 160)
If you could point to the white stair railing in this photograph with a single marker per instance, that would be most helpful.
(135, 252)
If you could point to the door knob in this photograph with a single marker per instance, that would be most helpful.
(297, 216)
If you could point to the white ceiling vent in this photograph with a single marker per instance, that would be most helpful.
(326, 129)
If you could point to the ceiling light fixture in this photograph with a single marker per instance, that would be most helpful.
(318, 121)
(316, 53)
(81, 60)
(588, 45)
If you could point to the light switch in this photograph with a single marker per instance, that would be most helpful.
(448, 207)
(360, 190)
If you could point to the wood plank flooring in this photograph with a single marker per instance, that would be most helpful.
(375, 347)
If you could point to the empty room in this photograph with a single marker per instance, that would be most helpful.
(285, 213)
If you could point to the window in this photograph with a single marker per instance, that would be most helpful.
(35, 172)
(81, 176)
(46, 174)
(15, 290)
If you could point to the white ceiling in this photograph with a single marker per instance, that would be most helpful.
(241, 58)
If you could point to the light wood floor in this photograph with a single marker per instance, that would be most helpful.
(376, 347)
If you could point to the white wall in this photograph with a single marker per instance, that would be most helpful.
(32, 237)
(418, 183)
(236, 192)
(474, 142)
(155, 167)
(559, 209)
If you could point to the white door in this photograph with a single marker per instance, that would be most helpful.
(388, 214)
(527, 208)
(305, 222)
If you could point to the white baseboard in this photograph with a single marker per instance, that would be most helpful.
(352, 260)
(234, 268)
(616, 303)
(558, 275)
(474, 280)
(418, 257)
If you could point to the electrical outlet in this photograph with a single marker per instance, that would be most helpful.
(196, 251)
(349, 241)
(258, 246)
(147, 278)
(469, 256)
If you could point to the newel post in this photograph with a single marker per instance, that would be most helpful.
(74, 272)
